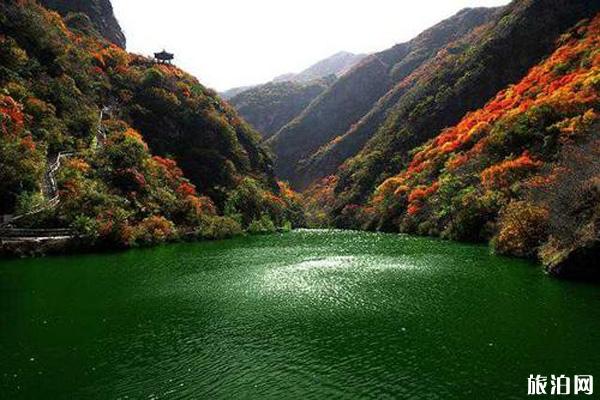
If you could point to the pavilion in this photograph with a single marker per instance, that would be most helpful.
(163, 57)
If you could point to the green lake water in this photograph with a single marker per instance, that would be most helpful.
(302, 315)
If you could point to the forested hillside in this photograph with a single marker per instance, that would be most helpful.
(271, 106)
(459, 81)
(354, 94)
(522, 171)
(143, 151)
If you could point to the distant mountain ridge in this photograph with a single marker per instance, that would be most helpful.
(338, 64)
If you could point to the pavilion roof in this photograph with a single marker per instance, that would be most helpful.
(163, 55)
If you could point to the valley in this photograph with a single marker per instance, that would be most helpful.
(442, 135)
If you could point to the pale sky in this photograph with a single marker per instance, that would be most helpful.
(228, 43)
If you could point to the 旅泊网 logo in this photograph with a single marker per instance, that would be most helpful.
(560, 385)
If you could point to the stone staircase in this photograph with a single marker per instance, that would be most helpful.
(49, 188)
(8, 235)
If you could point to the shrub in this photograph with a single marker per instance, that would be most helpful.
(85, 228)
(262, 225)
(523, 227)
(114, 227)
(250, 202)
(30, 201)
(472, 216)
(153, 230)
(216, 228)
(318, 201)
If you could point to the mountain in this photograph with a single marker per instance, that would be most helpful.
(99, 12)
(338, 64)
(522, 171)
(356, 93)
(230, 93)
(271, 106)
(120, 149)
(461, 79)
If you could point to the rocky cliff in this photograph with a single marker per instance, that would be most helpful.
(100, 13)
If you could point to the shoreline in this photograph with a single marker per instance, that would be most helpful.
(67, 246)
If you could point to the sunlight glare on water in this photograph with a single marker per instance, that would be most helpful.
(302, 315)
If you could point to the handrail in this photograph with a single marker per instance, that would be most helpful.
(35, 232)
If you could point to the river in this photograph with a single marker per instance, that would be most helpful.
(300, 315)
